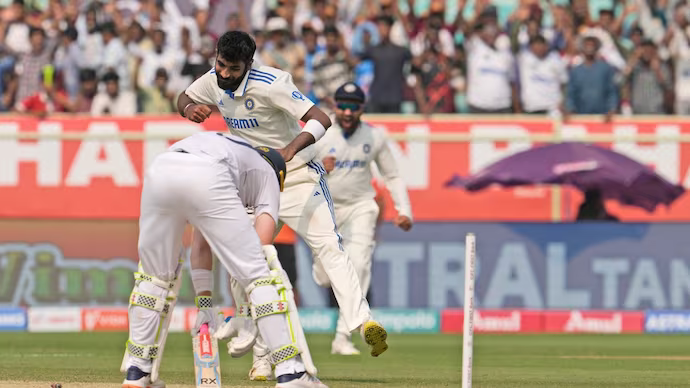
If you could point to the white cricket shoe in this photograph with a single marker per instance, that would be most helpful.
(344, 347)
(374, 334)
(138, 379)
(262, 370)
(299, 380)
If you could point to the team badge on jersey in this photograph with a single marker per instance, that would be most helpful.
(366, 148)
(249, 104)
(297, 95)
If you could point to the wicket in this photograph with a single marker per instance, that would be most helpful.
(468, 328)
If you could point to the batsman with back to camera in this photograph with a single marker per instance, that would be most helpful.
(349, 150)
(262, 105)
(208, 179)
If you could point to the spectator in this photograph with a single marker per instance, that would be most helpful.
(433, 33)
(389, 61)
(67, 60)
(433, 89)
(90, 39)
(678, 38)
(459, 80)
(14, 32)
(542, 75)
(6, 79)
(113, 101)
(51, 98)
(8, 86)
(332, 67)
(284, 53)
(491, 86)
(592, 89)
(172, 60)
(648, 81)
(88, 86)
(115, 56)
(311, 47)
(593, 208)
(158, 99)
(32, 63)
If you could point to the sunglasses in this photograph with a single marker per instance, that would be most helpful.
(349, 105)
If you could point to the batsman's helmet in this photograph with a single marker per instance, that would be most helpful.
(276, 161)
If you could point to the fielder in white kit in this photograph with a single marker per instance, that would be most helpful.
(348, 151)
(208, 179)
(262, 105)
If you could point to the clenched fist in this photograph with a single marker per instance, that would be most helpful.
(329, 163)
(197, 113)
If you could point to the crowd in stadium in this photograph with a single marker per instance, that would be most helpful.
(122, 57)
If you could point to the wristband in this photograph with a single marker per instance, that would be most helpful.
(202, 279)
(315, 128)
(184, 111)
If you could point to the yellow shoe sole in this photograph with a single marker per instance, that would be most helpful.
(375, 336)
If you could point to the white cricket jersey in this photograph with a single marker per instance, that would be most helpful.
(255, 179)
(541, 80)
(350, 180)
(490, 72)
(264, 110)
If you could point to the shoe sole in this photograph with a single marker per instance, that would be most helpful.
(258, 378)
(375, 336)
(135, 386)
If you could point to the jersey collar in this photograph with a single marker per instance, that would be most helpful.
(242, 88)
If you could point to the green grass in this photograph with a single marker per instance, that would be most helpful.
(412, 361)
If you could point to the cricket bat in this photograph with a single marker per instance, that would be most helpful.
(206, 360)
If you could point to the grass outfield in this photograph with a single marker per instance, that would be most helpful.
(93, 359)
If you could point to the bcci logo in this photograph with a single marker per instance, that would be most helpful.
(249, 104)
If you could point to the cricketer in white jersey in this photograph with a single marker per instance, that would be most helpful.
(208, 179)
(263, 106)
(348, 151)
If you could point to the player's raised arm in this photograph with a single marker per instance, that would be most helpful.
(317, 122)
(285, 96)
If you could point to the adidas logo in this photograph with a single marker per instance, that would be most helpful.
(220, 102)
(317, 193)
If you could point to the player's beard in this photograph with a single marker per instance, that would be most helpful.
(231, 84)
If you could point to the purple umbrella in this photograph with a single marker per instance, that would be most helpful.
(584, 166)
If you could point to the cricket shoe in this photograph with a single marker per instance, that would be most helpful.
(299, 380)
(262, 369)
(136, 378)
(374, 334)
(344, 347)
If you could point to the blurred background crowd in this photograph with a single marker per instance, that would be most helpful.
(556, 57)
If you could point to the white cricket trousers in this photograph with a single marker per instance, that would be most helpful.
(357, 225)
(307, 208)
(180, 188)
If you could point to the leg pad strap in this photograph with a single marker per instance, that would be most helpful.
(150, 302)
(283, 354)
(142, 351)
(275, 307)
(243, 310)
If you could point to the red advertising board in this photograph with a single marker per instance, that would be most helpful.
(104, 319)
(97, 178)
(493, 321)
(576, 321)
(537, 321)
